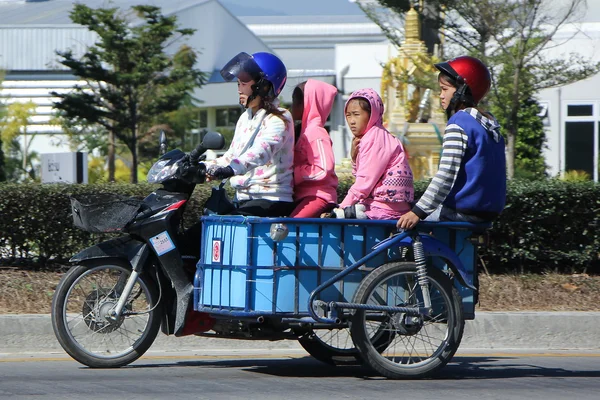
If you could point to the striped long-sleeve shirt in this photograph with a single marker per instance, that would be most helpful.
(453, 151)
(472, 175)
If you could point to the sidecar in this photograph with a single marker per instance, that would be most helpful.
(349, 290)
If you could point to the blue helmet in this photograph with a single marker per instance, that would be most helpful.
(261, 67)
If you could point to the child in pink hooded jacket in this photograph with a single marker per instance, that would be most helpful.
(315, 181)
(384, 180)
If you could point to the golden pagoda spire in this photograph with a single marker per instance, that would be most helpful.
(412, 27)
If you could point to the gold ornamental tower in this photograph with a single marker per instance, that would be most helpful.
(410, 95)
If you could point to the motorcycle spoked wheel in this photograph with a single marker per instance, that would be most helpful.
(335, 346)
(330, 346)
(422, 345)
(81, 303)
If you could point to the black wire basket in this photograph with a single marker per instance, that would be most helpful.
(104, 212)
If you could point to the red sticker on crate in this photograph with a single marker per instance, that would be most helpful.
(216, 251)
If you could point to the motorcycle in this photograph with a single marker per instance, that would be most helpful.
(350, 291)
(124, 289)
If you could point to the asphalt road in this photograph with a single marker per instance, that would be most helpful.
(517, 375)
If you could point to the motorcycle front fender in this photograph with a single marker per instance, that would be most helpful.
(122, 248)
(128, 249)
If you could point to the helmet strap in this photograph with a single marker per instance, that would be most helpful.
(457, 100)
(261, 88)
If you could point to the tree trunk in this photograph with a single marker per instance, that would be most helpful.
(134, 160)
(430, 25)
(25, 150)
(513, 128)
(2, 165)
(111, 156)
(510, 152)
(134, 149)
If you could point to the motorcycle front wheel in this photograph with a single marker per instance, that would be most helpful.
(80, 315)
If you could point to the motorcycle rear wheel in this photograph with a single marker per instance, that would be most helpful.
(80, 308)
(330, 346)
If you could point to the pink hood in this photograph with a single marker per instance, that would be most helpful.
(318, 101)
(383, 176)
(376, 120)
(314, 164)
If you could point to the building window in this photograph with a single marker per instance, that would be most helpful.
(579, 146)
(582, 139)
(202, 119)
(227, 117)
(226, 121)
(195, 135)
(580, 110)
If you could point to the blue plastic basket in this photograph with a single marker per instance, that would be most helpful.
(243, 271)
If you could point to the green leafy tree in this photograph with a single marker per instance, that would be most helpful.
(130, 77)
(2, 116)
(79, 136)
(531, 136)
(13, 126)
(511, 38)
(531, 140)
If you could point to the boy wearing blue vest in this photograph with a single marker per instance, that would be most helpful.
(470, 185)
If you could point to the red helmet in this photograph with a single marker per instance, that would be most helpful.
(470, 71)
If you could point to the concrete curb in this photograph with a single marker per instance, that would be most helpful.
(490, 330)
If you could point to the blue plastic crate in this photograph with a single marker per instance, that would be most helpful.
(243, 270)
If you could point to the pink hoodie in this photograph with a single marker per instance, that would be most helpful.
(314, 173)
(383, 176)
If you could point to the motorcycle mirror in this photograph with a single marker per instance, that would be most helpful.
(162, 143)
(213, 141)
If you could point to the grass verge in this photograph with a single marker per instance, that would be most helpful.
(28, 292)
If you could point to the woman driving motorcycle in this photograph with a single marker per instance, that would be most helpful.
(259, 162)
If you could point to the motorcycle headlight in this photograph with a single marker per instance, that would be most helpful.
(162, 170)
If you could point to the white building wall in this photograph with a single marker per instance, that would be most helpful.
(357, 66)
(218, 37)
(582, 39)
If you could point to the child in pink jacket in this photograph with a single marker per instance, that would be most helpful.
(384, 180)
(315, 181)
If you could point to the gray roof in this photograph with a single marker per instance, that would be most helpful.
(56, 12)
(305, 19)
(292, 7)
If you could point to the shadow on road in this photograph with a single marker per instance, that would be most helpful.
(459, 368)
(506, 367)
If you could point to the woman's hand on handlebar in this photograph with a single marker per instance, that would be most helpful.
(219, 173)
(192, 172)
(408, 221)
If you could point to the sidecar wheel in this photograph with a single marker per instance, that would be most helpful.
(80, 307)
(418, 345)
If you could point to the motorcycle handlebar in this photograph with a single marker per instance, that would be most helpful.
(193, 172)
(196, 153)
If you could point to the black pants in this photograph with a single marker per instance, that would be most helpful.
(264, 208)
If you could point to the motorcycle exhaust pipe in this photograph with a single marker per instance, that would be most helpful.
(260, 319)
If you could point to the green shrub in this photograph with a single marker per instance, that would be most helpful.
(546, 225)
(549, 224)
(576, 176)
(36, 227)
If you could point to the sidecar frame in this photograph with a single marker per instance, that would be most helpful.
(244, 274)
